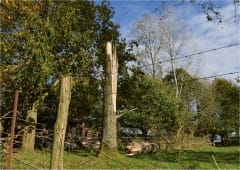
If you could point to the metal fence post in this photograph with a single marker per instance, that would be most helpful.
(10, 155)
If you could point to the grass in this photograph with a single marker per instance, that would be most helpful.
(201, 158)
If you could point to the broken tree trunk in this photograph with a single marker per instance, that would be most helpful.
(109, 140)
(61, 124)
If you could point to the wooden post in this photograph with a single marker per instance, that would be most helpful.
(109, 140)
(61, 124)
(10, 155)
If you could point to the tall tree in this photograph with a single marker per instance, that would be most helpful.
(158, 38)
(227, 95)
(151, 103)
(190, 92)
(207, 111)
(175, 35)
(52, 38)
(26, 50)
(148, 37)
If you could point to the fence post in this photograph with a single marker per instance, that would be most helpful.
(10, 154)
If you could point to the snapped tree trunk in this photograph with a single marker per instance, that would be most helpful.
(28, 140)
(109, 140)
(61, 124)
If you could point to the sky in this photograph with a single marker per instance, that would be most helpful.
(205, 35)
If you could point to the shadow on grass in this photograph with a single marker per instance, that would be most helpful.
(221, 157)
(195, 156)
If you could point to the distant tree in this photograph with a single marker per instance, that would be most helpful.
(188, 84)
(148, 35)
(217, 108)
(227, 95)
(175, 36)
(158, 38)
(207, 111)
(153, 103)
(191, 92)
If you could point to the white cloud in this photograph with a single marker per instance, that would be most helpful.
(209, 35)
(205, 35)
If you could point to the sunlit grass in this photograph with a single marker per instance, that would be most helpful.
(201, 158)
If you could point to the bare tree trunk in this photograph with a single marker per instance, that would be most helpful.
(153, 66)
(28, 141)
(61, 124)
(109, 140)
(179, 137)
(174, 74)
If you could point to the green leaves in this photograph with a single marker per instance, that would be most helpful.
(155, 104)
(227, 95)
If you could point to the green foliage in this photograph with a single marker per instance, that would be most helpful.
(26, 49)
(43, 40)
(227, 95)
(207, 111)
(156, 106)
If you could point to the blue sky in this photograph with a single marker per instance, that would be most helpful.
(204, 35)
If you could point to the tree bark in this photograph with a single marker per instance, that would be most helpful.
(109, 140)
(28, 141)
(61, 124)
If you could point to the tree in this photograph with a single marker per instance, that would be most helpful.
(189, 87)
(227, 95)
(158, 38)
(207, 111)
(175, 37)
(109, 140)
(213, 11)
(191, 92)
(148, 40)
(25, 46)
(49, 39)
(153, 105)
(35, 39)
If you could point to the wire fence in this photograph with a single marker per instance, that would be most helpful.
(87, 145)
(77, 142)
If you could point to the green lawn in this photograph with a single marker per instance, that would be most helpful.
(201, 158)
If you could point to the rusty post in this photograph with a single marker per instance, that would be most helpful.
(10, 155)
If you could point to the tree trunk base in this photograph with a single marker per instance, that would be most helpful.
(105, 151)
